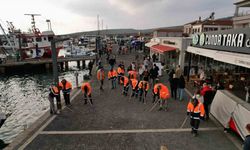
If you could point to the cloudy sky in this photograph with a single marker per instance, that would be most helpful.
(69, 16)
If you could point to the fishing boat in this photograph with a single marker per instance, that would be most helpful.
(31, 44)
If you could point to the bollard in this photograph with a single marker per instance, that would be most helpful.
(76, 75)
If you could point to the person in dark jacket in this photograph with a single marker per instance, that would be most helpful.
(170, 79)
(247, 139)
(181, 87)
(174, 85)
(90, 67)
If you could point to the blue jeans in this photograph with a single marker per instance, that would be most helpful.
(181, 93)
(113, 83)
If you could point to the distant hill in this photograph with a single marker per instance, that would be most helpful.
(119, 31)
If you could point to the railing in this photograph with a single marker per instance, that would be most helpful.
(244, 13)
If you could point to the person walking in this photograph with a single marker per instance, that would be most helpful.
(66, 89)
(174, 85)
(162, 93)
(181, 87)
(154, 73)
(125, 81)
(247, 139)
(101, 77)
(54, 92)
(112, 75)
(143, 90)
(90, 67)
(196, 111)
(86, 90)
(112, 62)
(207, 93)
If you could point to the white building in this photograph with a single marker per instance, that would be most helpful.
(242, 14)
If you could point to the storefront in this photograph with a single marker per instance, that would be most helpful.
(224, 56)
(170, 50)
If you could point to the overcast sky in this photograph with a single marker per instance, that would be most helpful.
(69, 16)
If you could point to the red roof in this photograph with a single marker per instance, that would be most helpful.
(162, 48)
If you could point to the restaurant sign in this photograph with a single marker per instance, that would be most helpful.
(237, 40)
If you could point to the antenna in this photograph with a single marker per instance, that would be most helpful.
(49, 25)
(33, 23)
(98, 25)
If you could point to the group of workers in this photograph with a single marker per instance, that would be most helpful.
(139, 88)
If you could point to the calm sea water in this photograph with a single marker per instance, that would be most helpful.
(25, 97)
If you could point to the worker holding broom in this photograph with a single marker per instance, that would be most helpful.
(162, 93)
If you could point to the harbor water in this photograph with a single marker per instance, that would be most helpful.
(25, 97)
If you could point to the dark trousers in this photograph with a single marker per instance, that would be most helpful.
(134, 93)
(90, 71)
(58, 102)
(141, 96)
(206, 107)
(101, 86)
(125, 90)
(155, 95)
(66, 98)
(195, 123)
(174, 92)
(86, 96)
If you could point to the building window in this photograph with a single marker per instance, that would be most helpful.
(45, 39)
(50, 38)
(38, 39)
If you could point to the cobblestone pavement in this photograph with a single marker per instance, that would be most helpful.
(117, 122)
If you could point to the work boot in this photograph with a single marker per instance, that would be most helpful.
(85, 101)
(91, 102)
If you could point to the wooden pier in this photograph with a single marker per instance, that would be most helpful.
(47, 62)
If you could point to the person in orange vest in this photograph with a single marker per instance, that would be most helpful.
(101, 77)
(86, 89)
(54, 92)
(66, 89)
(134, 84)
(120, 71)
(143, 88)
(112, 75)
(132, 74)
(161, 91)
(125, 81)
(196, 111)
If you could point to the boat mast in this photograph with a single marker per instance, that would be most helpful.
(33, 23)
(7, 37)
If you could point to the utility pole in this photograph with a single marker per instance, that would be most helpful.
(54, 59)
(98, 36)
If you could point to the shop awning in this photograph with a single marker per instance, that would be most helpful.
(227, 57)
(162, 48)
(150, 44)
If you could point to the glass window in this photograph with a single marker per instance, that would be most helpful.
(38, 39)
(50, 38)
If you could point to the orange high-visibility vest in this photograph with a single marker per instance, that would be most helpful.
(126, 81)
(164, 92)
(86, 84)
(112, 74)
(134, 83)
(156, 87)
(55, 90)
(100, 74)
(67, 86)
(132, 74)
(196, 112)
(120, 70)
(144, 85)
